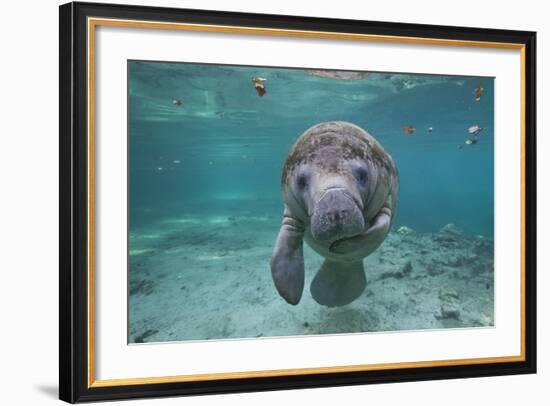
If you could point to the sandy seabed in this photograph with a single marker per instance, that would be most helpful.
(203, 276)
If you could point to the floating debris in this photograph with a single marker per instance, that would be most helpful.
(160, 168)
(478, 91)
(177, 161)
(177, 102)
(338, 74)
(408, 84)
(430, 129)
(259, 85)
(409, 129)
(404, 230)
(470, 141)
(475, 129)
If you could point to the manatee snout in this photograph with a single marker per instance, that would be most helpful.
(336, 216)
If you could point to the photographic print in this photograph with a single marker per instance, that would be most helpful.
(268, 201)
(357, 195)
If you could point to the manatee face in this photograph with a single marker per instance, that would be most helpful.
(332, 194)
(330, 182)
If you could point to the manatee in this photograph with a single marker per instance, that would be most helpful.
(340, 191)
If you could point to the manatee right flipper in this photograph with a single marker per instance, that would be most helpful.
(338, 283)
(287, 262)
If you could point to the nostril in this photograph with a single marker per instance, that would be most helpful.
(337, 215)
(333, 215)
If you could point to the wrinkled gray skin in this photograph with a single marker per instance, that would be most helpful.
(340, 190)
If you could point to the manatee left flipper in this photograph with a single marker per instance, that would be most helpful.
(368, 241)
(338, 283)
(287, 262)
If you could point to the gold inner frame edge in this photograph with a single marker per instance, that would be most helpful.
(91, 25)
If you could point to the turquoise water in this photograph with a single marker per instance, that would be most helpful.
(205, 159)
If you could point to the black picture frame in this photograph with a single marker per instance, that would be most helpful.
(74, 384)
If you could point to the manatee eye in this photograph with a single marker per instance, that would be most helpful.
(302, 181)
(361, 175)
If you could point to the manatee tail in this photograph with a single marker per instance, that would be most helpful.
(338, 283)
